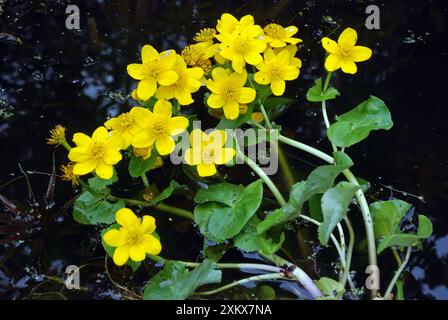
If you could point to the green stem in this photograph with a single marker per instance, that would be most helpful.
(327, 81)
(324, 107)
(145, 180)
(160, 206)
(351, 242)
(262, 277)
(398, 272)
(306, 148)
(397, 256)
(265, 116)
(263, 177)
(251, 266)
(286, 169)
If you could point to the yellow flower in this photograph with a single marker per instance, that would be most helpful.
(194, 56)
(97, 153)
(133, 239)
(345, 53)
(143, 153)
(123, 126)
(207, 151)
(292, 49)
(156, 68)
(57, 135)
(240, 48)
(68, 175)
(158, 127)
(278, 37)
(134, 95)
(189, 81)
(205, 35)
(228, 92)
(228, 24)
(275, 69)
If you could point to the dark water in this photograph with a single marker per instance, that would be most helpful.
(50, 75)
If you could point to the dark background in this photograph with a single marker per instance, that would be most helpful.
(50, 75)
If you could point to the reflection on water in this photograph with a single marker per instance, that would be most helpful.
(52, 75)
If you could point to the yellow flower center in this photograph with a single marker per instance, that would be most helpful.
(152, 69)
(274, 71)
(275, 31)
(230, 92)
(97, 151)
(240, 46)
(208, 156)
(133, 238)
(125, 120)
(206, 34)
(158, 128)
(193, 57)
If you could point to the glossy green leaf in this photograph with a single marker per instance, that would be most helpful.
(330, 288)
(407, 239)
(315, 208)
(355, 125)
(94, 209)
(225, 193)
(335, 202)
(176, 282)
(315, 93)
(387, 216)
(168, 191)
(100, 185)
(139, 166)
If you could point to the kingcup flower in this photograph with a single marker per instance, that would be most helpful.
(195, 56)
(228, 92)
(68, 175)
(156, 68)
(275, 69)
(278, 37)
(189, 81)
(97, 153)
(123, 126)
(227, 24)
(133, 239)
(158, 127)
(57, 135)
(207, 151)
(344, 53)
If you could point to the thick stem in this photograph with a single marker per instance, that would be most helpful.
(306, 148)
(145, 180)
(351, 242)
(268, 276)
(263, 177)
(398, 273)
(250, 266)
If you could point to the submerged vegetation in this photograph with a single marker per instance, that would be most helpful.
(238, 71)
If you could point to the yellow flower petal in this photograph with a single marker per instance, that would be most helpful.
(206, 170)
(163, 109)
(215, 101)
(283, 57)
(136, 71)
(127, 218)
(290, 73)
(262, 78)
(177, 125)
(218, 137)
(193, 156)
(278, 87)
(239, 79)
(275, 43)
(104, 170)
(247, 95)
(149, 54)
(142, 116)
(197, 136)
(165, 144)
(195, 73)
(167, 78)
(137, 253)
(348, 38)
(219, 74)
(100, 134)
(291, 30)
(114, 238)
(224, 155)
(348, 66)
(113, 156)
(81, 139)
(183, 97)
(78, 154)
(238, 63)
(148, 224)
(330, 45)
(332, 63)
(269, 55)
(165, 92)
(360, 53)
(231, 110)
(253, 58)
(151, 244)
(143, 140)
(146, 88)
(121, 255)
(168, 59)
(82, 168)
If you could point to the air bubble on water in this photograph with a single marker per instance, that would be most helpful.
(37, 75)
(88, 61)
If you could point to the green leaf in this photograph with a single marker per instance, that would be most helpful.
(355, 125)
(110, 250)
(275, 106)
(225, 193)
(94, 209)
(214, 252)
(266, 293)
(168, 191)
(139, 166)
(223, 218)
(315, 93)
(407, 239)
(387, 216)
(100, 185)
(335, 202)
(330, 288)
(315, 207)
(175, 282)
